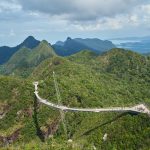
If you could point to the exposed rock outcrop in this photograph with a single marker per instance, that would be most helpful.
(5, 140)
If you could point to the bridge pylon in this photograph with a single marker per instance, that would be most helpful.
(36, 85)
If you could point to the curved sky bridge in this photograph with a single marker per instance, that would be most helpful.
(141, 108)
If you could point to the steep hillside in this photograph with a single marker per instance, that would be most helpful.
(125, 63)
(19, 119)
(25, 60)
(96, 44)
(72, 46)
(73, 75)
(6, 52)
(82, 86)
(84, 57)
(84, 81)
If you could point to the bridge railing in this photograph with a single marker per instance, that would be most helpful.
(138, 108)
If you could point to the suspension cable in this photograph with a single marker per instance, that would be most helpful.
(62, 114)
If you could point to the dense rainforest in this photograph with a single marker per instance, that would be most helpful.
(116, 78)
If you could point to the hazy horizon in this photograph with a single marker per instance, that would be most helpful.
(115, 40)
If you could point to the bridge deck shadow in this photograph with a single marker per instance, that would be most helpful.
(36, 122)
(105, 123)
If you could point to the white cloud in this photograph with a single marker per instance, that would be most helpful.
(59, 18)
(133, 20)
(80, 9)
(89, 15)
(146, 8)
(9, 6)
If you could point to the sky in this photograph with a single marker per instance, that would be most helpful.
(55, 20)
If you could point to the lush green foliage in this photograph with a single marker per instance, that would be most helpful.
(7, 52)
(25, 60)
(85, 80)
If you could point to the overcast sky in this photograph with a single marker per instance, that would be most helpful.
(55, 20)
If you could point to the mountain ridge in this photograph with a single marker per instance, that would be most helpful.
(6, 52)
(26, 59)
(71, 46)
